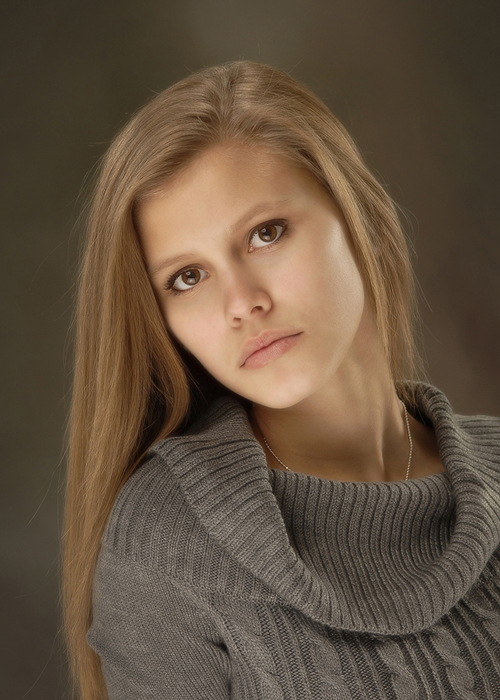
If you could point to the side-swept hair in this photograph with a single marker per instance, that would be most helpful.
(132, 384)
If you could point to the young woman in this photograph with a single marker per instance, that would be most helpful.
(264, 498)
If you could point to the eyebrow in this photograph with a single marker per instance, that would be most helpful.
(257, 209)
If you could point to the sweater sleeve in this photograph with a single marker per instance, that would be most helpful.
(155, 638)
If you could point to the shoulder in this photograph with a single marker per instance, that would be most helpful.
(172, 519)
(480, 426)
(151, 523)
(482, 435)
(478, 443)
(153, 520)
(475, 431)
(177, 518)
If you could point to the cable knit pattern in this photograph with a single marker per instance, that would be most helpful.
(402, 681)
(460, 677)
(221, 578)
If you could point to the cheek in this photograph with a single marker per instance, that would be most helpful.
(309, 278)
(295, 280)
(328, 284)
(197, 332)
(346, 301)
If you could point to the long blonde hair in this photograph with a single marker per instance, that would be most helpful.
(132, 383)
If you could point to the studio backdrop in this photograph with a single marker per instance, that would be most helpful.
(417, 85)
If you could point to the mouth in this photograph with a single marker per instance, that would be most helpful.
(271, 351)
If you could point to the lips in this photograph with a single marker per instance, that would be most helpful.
(263, 340)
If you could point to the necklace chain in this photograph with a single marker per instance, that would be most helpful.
(409, 440)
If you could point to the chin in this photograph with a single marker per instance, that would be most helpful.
(278, 394)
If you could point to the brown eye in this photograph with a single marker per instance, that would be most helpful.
(269, 233)
(189, 278)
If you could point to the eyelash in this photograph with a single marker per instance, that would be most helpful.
(169, 285)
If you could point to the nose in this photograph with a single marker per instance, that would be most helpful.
(244, 296)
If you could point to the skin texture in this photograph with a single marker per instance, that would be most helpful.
(327, 406)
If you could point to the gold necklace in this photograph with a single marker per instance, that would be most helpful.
(409, 439)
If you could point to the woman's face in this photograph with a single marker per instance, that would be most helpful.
(259, 246)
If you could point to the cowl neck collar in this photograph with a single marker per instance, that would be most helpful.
(223, 473)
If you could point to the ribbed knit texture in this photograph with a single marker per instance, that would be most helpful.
(220, 578)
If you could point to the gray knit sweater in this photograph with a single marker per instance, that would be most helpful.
(220, 578)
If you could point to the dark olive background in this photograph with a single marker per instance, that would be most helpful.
(415, 82)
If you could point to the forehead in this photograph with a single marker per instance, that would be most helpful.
(230, 172)
(225, 180)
